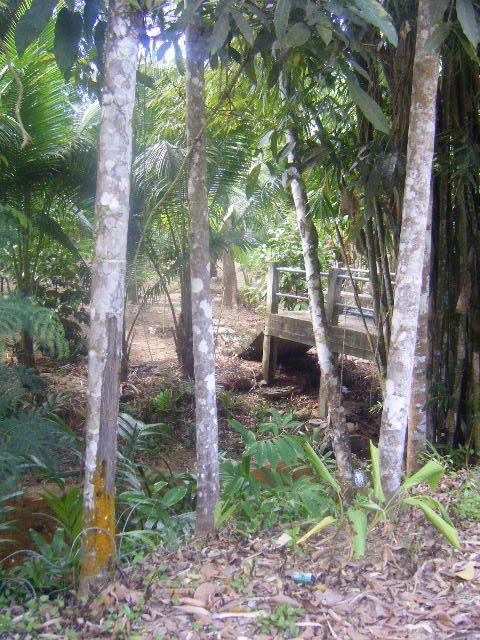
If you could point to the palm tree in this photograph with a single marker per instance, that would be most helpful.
(160, 165)
(42, 182)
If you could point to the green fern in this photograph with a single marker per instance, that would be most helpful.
(31, 432)
(23, 314)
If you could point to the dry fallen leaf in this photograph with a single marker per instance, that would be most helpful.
(209, 570)
(205, 592)
(283, 540)
(198, 611)
(467, 573)
(222, 615)
(194, 602)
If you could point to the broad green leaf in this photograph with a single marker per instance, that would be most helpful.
(265, 139)
(173, 495)
(320, 468)
(32, 23)
(281, 17)
(325, 33)
(90, 12)
(373, 506)
(468, 19)
(251, 182)
(367, 105)
(326, 522)
(446, 529)
(222, 513)
(249, 69)
(469, 50)
(438, 37)
(431, 473)
(375, 14)
(376, 479)
(248, 436)
(358, 518)
(436, 505)
(16, 216)
(243, 26)
(68, 31)
(360, 70)
(220, 32)
(179, 62)
(297, 35)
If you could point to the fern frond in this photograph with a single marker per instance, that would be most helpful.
(23, 314)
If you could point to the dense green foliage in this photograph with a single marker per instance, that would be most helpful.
(349, 67)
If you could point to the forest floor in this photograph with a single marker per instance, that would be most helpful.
(154, 367)
(410, 585)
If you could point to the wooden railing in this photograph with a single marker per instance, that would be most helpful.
(339, 296)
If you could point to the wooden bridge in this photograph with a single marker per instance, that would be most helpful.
(285, 330)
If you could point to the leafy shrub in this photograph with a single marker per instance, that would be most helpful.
(31, 433)
(23, 314)
(153, 500)
(68, 510)
(466, 500)
(169, 401)
(381, 508)
(270, 484)
(51, 568)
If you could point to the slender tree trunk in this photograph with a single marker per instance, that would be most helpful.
(202, 324)
(330, 384)
(411, 255)
(475, 402)
(418, 414)
(230, 286)
(184, 335)
(108, 291)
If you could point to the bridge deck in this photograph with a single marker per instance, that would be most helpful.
(348, 336)
(346, 332)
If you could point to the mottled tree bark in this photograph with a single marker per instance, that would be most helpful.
(202, 324)
(230, 285)
(417, 413)
(421, 139)
(330, 385)
(108, 291)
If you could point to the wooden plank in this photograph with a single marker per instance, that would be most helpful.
(269, 358)
(342, 339)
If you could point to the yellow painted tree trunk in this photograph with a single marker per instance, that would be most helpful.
(108, 292)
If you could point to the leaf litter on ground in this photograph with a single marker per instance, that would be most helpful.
(410, 585)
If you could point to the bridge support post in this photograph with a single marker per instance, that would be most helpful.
(333, 296)
(332, 311)
(270, 343)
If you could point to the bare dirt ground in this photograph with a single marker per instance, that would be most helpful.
(154, 367)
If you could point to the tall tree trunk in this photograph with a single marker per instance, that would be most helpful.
(108, 291)
(184, 341)
(418, 413)
(202, 323)
(330, 383)
(411, 255)
(230, 285)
